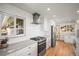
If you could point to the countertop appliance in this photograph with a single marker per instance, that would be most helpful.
(41, 45)
(3, 43)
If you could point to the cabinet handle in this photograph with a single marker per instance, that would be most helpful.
(29, 54)
(29, 47)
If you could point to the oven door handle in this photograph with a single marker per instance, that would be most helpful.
(41, 43)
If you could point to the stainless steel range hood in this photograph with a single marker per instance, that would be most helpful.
(36, 19)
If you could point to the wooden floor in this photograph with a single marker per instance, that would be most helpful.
(61, 49)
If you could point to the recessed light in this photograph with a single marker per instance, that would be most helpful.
(48, 9)
(77, 10)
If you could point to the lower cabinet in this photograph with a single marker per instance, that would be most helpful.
(77, 52)
(77, 49)
(27, 51)
(48, 42)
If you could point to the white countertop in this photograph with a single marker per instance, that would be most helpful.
(16, 46)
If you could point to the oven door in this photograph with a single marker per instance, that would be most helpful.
(41, 48)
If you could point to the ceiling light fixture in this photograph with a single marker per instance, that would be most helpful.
(48, 9)
(78, 11)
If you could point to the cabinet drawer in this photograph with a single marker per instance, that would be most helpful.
(32, 50)
(33, 46)
(32, 53)
(19, 52)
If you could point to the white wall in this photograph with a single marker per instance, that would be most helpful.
(67, 37)
(32, 30)
(47, 30)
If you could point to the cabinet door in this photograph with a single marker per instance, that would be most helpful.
(33, 49)
(77, 52)
(77, 49)
(48, 42)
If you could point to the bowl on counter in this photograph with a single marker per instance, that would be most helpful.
(3, 43)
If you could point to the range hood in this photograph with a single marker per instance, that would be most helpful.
(36, 19)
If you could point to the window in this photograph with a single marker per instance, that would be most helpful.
(11, 26)
(19, 26)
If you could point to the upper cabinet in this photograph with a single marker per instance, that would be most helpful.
(11, 26)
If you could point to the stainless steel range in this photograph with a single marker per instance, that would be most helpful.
(41, 45)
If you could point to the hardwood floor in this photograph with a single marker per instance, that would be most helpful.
(61, 49)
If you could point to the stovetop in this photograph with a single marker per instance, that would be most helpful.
(38, 38)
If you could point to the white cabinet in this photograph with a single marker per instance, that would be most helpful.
(48, 42)
(77, 49)
(68, 37)
(28, 51)
(77, 38)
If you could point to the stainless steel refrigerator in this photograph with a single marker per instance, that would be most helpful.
(53, 37)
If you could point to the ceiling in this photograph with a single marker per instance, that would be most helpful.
(65, 12)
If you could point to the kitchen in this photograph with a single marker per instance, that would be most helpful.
(30, 31)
